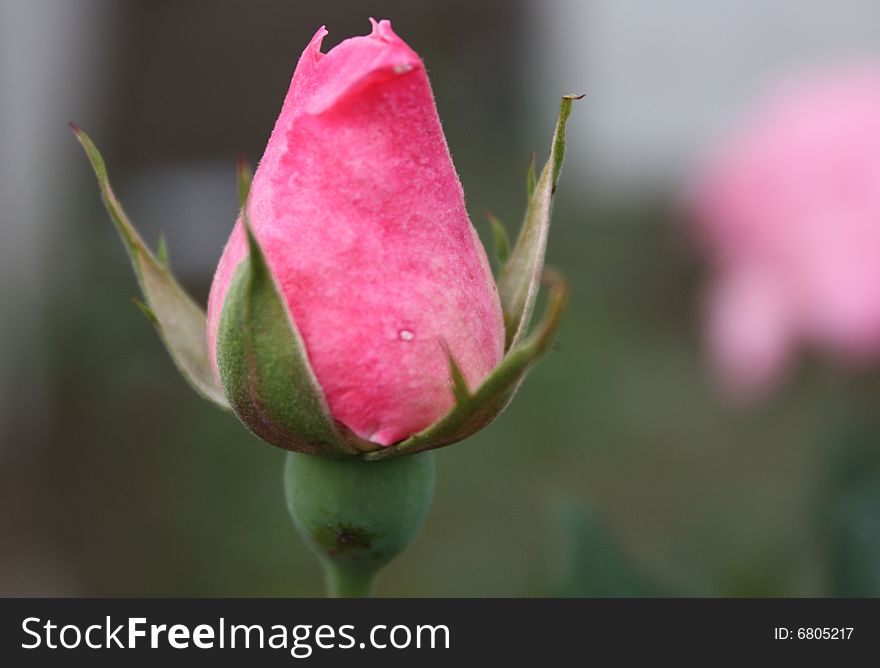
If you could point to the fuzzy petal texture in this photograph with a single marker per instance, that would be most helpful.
(793, 197)
(362, 219)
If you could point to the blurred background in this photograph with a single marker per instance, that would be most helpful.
(620, 468)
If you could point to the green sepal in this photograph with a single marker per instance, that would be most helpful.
(146, 310)
(181, 323)
(499, 234)
(483, 405)
(244, 175)
(531, 178)
(162, 251)
(518, 285)
(521, 274)
(265, 369)
(460, 389)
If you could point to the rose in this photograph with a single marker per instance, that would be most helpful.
(353, 311)
(362, 221)
(788, 209)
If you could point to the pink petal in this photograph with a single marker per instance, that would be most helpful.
(361, 215)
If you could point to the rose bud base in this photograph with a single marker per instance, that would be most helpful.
(356, 515)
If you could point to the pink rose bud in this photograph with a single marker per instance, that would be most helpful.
(353, 312)
(360, 214)
(789, 212)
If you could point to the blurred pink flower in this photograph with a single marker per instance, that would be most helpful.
(362, 219)
(788, 210)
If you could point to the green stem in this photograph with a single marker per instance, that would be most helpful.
(345, 582)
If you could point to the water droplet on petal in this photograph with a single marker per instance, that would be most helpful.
(406, 335)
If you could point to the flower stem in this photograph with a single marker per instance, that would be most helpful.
(345, 582)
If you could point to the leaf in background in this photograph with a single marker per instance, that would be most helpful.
(855, 547)
(180, 321)
(851, 506)
(521, 274)
(596, 566)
